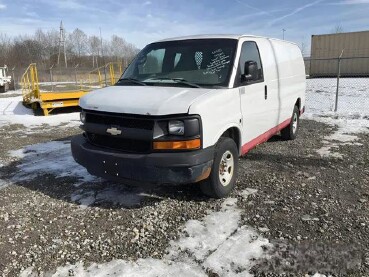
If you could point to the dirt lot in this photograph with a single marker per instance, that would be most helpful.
(313, 210)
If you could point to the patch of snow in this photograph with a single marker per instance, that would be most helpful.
(12, 92)
(326, 151)
(346, 133)
(55, 83)
(203, 237)
(307, 217)
(352, 117)
(215, 243)
(142, 267)
(247, 192)
(18, 154)
(84, 198)
(4, 183)
(13, 111)
(352, 96)
(94, 86)
(236, 254)
(114, 194)
(28, 272)
(55, 158)
(340, 137)
(52, 157)
(119, 195)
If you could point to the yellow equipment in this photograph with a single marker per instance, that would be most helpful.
(47, 100)
(50, 100)
(112, 72)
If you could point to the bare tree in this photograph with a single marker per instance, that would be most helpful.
(25, 51)
(52, 40)
(49, 42)
(78, 40)
(5, 47)
(94, 49)
(338, 29)
(303, 47)
(118, 47)
(42, 48)
(131, 52)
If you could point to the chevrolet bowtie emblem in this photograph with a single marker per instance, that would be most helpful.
(114, 131)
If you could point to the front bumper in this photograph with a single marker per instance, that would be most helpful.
(159, 168)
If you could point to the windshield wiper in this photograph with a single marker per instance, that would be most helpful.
(178, 80)
(132, 80)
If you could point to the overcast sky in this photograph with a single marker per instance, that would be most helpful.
(141, 22)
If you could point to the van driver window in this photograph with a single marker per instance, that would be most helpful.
(250, 52)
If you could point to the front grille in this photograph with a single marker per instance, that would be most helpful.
(119, 120)
(122, 144)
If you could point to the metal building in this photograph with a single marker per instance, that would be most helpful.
(353, 48)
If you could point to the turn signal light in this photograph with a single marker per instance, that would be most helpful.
(177, 145)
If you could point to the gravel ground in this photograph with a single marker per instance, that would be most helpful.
(313, 210)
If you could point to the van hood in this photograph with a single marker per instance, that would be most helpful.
(142, 100)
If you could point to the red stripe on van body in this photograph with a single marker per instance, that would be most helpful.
(264, 137)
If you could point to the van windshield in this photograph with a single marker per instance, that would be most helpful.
(194, 63)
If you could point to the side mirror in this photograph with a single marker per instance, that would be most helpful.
(250, 71)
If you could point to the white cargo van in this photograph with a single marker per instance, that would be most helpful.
(186, 108)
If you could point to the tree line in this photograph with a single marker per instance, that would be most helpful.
(43, 48)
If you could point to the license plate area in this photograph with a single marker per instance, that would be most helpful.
(57, 104)
(110, 168)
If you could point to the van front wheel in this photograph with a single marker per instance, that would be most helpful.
(290, 132)
(224, 171)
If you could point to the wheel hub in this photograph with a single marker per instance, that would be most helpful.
(226, 168)
(294, 122)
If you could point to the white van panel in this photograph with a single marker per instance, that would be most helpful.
(219, 110)
(284, 76)
(142, 100)
(260, 113)
(291, 74)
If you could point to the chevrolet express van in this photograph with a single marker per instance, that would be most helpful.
(186, 108)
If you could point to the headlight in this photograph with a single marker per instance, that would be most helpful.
(82, 116)
(176, 127)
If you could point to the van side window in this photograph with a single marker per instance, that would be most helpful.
(177, 57)
(250, 52)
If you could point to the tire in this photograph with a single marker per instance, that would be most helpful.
(2, 89)
(37, 111)
(12, 85)
(291, 131)
(219, 185)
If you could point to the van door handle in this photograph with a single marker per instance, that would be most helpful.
(266, 92)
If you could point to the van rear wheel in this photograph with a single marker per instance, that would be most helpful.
(224, 171)
(290, 132)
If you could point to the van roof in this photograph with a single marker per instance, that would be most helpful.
(230, 36)
(226, 36)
